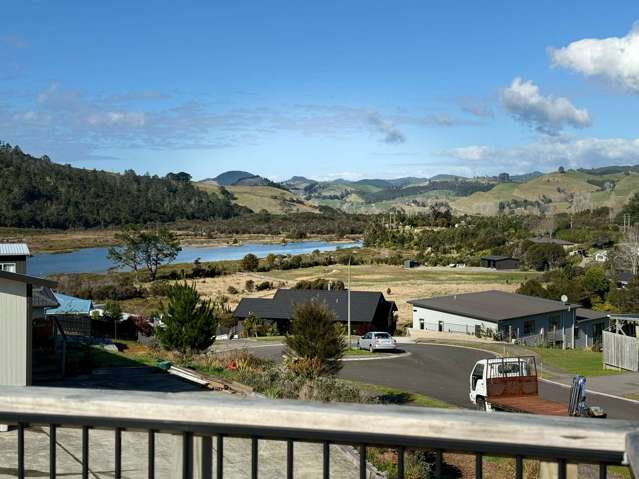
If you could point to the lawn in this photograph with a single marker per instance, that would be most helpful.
(397, 396)
(575, 361)
(133, 354)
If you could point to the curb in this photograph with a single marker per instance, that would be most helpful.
(378, 358)
(556, 383)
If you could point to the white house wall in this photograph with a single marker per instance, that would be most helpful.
(15, 334)
(451, 322)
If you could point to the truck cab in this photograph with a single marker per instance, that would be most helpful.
(499, 377)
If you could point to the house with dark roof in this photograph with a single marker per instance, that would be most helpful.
(528, 319)
(369, 309)
(499, 262)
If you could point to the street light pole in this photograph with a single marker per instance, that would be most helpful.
(349, 302)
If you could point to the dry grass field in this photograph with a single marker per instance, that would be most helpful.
(404, 284)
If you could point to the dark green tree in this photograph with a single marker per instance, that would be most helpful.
(249, 262)
(189, 322)
(545, 256)
(139, 248)
(159, 247)
(316, 334)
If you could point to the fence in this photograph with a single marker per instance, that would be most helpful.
(202, 426)
(621, 351)
(98, 328)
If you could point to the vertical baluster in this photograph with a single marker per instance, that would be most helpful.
(20, 450)
(187, 455)
(561, 468)
(327, 460)
(479, 466)
(438, 464)
(118, 453)
(400, 463)
(519, 467)
(254, 451)
(362, 461)
(206, 451)
(85, 452)
(289, 459)
(219, 466)
(603, 471)
(151, 455)
(52, 451)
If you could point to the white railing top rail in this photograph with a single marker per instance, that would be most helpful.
(82, 406)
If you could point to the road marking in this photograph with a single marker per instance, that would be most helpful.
(589, 391)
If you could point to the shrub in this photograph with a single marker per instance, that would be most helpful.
(315, 333)
(249, 285)
(254, 326)
(249, 262)
(232, 290)
(263, 286)
(189, 322)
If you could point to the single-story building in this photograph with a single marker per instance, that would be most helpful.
(528, 319)
(499, 262)
(601, 256)
(623, 278)
(546, 240)
(73, 314)
(409, 263)
(13, 257)
(16, 327)
(369, 309)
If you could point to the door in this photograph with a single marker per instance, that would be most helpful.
(365, 341)
(477, 383)
(440, 326)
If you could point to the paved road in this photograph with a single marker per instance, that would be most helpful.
(441, 372)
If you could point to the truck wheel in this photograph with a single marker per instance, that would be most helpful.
(481, 404)
(370, 348)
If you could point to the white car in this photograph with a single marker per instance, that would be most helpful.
(377, 341)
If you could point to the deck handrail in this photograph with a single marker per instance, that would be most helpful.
(509, 434)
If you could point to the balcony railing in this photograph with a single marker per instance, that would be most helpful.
(203, 424)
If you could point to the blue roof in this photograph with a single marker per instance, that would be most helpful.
(71, 305)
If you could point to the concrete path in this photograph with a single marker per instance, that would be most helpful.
(237, 456)
(237, 452)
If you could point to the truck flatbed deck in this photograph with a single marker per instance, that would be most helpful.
(531, 404)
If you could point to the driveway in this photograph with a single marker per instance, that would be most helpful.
(441, 372)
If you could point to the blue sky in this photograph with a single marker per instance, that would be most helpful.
(328, 89)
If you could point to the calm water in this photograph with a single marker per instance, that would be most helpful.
(94, 260)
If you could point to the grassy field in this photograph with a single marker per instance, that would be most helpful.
(256, 198)
(585, 363)
(404, 284)
(558, 188)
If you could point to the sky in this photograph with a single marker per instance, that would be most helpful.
(332, 89)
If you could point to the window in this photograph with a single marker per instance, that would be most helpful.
(421, 323)
(382, 335)
(554, 321)
(8, 267)
(529, 327)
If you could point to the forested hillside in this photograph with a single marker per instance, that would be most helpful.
(38, 193)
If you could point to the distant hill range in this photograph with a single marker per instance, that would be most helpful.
(239, 178)
(534, 192)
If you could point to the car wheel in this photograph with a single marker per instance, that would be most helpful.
(358, 345)
(480, 402)
(370, 348)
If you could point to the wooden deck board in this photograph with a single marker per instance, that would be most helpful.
(530, 404)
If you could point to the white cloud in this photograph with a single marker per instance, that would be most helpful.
(581, 153)
(615, 59)
(547, 114)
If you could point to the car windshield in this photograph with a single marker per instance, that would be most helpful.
(382, 335)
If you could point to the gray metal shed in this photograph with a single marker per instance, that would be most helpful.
(16, 327)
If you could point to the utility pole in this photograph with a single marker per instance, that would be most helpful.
(349, 301)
